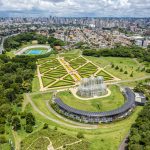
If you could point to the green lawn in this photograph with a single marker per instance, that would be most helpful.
(106, 137)
(58, 139)
(69, 78)
(77, 62)
(46, 81)
(35, 84)
(111, 102)
(62, 83)
(44, 69)
(126, 64)
(105, 75)
(88, 70)
(47, 59)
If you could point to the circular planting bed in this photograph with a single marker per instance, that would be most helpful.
(34, 50)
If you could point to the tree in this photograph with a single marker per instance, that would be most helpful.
(18, 79)
(29, 128)
(30, 119)
(10, 94)
(23, 115)
(16, 123)
(5, 109)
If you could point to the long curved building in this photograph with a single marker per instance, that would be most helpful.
(97, 117)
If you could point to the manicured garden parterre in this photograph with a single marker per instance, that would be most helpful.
(55, 75)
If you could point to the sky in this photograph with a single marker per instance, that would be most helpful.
(75, 8)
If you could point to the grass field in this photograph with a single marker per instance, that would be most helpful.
(35, 84)
(126, 64)
(106, 137)
(111, 102)
(57, 138)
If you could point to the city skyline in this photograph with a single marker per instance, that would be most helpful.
(75, 8)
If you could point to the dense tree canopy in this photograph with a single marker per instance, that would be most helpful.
(14, 42)
(120, 51)
(16, 76)
(55, 42)
(139, 138)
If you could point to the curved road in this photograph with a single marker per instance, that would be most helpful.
(2, 43)
(80, 126)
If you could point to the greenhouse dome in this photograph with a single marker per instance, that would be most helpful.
(92, 87)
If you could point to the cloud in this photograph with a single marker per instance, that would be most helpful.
(54, 1)
(97, 8)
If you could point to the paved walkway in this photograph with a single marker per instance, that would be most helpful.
(69, 69)
(61, 147)
(40, 78)
(17, 140)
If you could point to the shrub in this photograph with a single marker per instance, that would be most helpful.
(148, 70)
(55, 128)
(112, 65)
(121, 70)
(143, 69)
(116, 67)
(3, 139)
(45, 126)
(80, 135)
(125, 72)
(2, 129)
(131, 75)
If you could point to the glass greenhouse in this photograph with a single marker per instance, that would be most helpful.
(92, 87)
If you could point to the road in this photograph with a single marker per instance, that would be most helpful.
(2, 43)
(131, 80)
(124, 144)
(83, 126)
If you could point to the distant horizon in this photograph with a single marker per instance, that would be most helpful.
(76, 17)
(75, 8)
